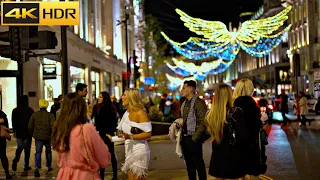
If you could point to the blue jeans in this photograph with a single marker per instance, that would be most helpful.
(23, 144)
(39, 145)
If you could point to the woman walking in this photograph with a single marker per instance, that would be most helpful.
(105, 116)
(136, 128)
(81, 151)
(303, 106)
(3, 144)
(225, 124)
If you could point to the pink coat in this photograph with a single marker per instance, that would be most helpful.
(74, 165)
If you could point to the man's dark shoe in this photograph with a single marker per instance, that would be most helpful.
(14, 165)
(36, 173)
(50, 169)
(8, 176)
(27, 168)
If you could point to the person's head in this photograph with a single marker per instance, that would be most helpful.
(55, 100)
(73, 112)
(43, 104)
(283, 91)
(131, 98)
(301, 94)
(81, 89)
(244, 87)
(189, 89)
(60, 97)
(24, 100)
(216, 117)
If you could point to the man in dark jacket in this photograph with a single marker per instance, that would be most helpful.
(40, 126)
(20, 120)
(193, 131)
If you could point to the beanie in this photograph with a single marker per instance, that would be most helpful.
(43, 103)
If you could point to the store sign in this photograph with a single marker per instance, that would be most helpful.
(316, 76)
(148, 80)
(49, 71)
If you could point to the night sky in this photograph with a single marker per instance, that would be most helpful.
(214, 10)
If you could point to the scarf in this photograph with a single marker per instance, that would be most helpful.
(191, 118)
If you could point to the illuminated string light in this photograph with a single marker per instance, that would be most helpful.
(256, 37)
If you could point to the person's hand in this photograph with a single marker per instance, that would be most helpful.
(1, 120)
(126, 136)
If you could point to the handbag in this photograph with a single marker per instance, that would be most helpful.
(87, 153)
(5, 133)
(135, 130)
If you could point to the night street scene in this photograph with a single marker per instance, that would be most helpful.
(160, 90)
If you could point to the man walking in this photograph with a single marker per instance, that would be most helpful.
(193, 130)
(20, 120)
(40, 126)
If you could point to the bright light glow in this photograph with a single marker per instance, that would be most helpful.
(256, 37)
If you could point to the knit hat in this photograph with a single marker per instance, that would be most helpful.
(43, 103)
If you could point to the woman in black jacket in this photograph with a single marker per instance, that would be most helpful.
(255, 161)
(225, 124)
(3, 146)
(105, 117)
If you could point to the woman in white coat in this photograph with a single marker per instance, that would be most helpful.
(303, 106)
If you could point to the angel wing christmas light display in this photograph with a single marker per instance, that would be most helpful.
(256, 37)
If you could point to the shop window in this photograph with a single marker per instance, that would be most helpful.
(95, 84)
(77, 74)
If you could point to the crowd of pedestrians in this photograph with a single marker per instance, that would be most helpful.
(85, 140)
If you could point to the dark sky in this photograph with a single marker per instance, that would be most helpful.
(215, 10)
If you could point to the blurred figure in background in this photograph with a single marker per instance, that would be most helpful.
(55, 107)
(176, 108)
(284, 107)
(20, 120)
(163, 102)
(40, 126)
(3, 145)
(303, 109)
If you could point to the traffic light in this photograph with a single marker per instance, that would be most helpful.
(136, 72)
(32, 39)
(13, 50)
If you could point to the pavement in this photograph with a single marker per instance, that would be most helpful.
(293, 154)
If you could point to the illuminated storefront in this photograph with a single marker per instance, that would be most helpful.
(77, 74)
(51, 72)
(118, 86)
(95, 83)
(8, 86)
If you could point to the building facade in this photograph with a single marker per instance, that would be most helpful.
(96, 56)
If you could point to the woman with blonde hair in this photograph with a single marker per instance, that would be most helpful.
(255, 161)
(81, 151)
(136, 129)
(224, 123)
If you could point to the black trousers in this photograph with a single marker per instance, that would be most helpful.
(113, 157)
(193, 156)
(3, 155)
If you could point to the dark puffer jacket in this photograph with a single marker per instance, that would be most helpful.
(40, 125)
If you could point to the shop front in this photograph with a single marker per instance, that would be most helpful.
(118, 86)
(51, 74)
(8, 86)
(77, 74)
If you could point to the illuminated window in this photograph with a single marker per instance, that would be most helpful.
(95, 83)
(77, 74)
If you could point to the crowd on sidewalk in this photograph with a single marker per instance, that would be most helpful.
(84, 136)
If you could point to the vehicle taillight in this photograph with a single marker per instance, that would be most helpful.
(270, 106)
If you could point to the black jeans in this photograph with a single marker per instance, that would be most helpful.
(193, 156)
(285, 119)
(113, 157)
(3, 155)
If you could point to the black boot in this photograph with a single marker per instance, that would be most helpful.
(14, 165)
(8, 176)
(36, 173)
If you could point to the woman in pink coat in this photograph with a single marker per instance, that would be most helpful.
(81, 151)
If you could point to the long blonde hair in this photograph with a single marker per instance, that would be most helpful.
(216, 117)
(134, 100)
(244, 87)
